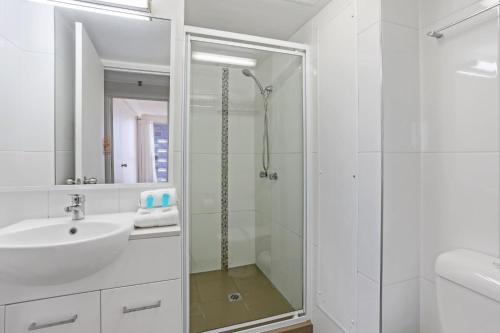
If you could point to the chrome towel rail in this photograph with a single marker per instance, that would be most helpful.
(439, 32)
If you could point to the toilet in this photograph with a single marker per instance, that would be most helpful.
(468, 292)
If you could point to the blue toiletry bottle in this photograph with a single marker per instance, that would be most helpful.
(165, 200)
(150, 200)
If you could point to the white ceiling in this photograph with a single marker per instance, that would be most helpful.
(125, 39)
(269, 18)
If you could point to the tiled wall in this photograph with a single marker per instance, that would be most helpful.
(441, 193)
(460, 140)
(369, 165)
(332, 35)
(401, 166)
(26, 94)
(279, 204)
(205, 170)
(26, 204)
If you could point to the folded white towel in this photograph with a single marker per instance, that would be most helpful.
(156, 217)
(158, 197)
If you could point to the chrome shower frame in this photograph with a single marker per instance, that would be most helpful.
(278, 46)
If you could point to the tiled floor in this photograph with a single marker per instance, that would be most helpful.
(211, 308)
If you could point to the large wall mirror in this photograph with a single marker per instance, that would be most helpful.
(91, 89)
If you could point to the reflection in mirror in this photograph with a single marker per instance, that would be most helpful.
(111, 98)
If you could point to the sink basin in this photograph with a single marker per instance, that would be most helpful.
(58, 251)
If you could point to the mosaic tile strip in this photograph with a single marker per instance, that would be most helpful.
(224, 171)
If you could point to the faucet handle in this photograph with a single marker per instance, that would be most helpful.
(77, 199)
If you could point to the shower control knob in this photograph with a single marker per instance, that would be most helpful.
(273, 176)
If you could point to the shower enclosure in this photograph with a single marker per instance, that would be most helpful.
(245, 159)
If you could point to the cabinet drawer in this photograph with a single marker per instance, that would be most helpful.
(151, 308)
(68, 314)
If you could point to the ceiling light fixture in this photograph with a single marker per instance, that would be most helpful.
(224, 59)
(94, 8)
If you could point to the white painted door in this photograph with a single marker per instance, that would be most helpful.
(124, 142)
(89, 108)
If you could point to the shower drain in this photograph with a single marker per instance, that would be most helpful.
(234, 297)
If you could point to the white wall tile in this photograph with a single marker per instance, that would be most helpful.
(26, 168)
(205, 183)
(369, 214)
(323, 323)
(369, 90)
(287, 205)
(368, 305)
(13, 206)
(400, 307)
(241, 185)
(401, 217)
(241, 132)
(241, 238)
(369, 12)
(11, 96)
(206, 124)
(404, 12)
(429, 315)
(37, 27)
(37, 169)
(400, 47)
(453, 84)
(205, 244)
(460, 195)
(38, 107)
(97, 201)
(434, 10)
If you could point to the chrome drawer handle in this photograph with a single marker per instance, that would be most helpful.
(141, 308)
(34, 326)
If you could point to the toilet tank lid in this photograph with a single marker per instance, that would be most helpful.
(473, 270)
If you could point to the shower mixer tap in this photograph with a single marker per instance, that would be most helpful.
(273, 176)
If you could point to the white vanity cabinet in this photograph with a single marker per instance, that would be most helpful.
(152, 308)
(68, 314)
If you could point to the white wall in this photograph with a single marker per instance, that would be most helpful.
(206, 136)
(441, 158)
(401, 166)
(26, 93)
(460, 141)
(346, 87)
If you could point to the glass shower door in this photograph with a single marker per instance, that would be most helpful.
(246, 184)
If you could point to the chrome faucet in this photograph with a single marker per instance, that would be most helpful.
(77, 207)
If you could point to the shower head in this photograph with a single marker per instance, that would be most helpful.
(247, 73)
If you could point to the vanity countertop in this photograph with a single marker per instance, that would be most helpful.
(156, 232)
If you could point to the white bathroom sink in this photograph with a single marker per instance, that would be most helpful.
(57, 251)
